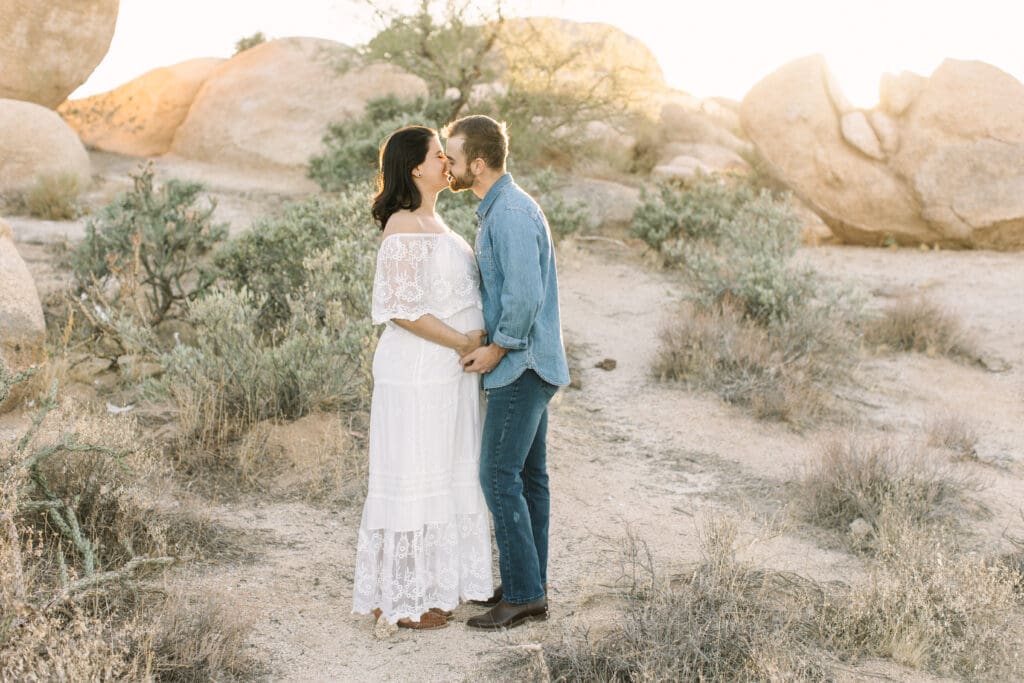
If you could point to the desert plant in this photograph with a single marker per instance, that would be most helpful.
(268, 260)
(732, 242)
(916, 324)
(888, 486)
(564, 217)
(151, 239)
(722, 620)
(954, 433)
(783, 370)
(54, 196)
(929, 605)
(249, 42)
(351, 149)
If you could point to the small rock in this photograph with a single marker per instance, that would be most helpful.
(606, 364)
(860, 528)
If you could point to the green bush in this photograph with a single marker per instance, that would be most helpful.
(249, 42)
(352, 148)
(154, 239)
(241, 371)
(268, 260)
(564, 217)
(734, 244)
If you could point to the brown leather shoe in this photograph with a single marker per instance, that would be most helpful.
(489, 602)
(507, 615)
(428, 621)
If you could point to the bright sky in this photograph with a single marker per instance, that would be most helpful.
(707, 48)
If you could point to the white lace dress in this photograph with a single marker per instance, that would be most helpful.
(424, 540)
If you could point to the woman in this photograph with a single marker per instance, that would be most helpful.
(424, 540)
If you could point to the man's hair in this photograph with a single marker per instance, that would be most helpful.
(484, 137)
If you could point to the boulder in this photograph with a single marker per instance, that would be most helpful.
(683, 122)
(711, 157)
(140, 117)
(886, 129)
(22, 326)
(974, 192)
(270, 106)
(610, 204)
(791, 118)
(897, 92)
(962, 101)
(35, 141)
(859, 133)
(50, 48)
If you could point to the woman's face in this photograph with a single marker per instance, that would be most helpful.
(433, 172)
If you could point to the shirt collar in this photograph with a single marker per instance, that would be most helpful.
(492, 195)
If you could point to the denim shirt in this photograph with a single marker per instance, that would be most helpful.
(519, 286)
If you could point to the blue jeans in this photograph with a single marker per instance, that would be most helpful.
(514, 478)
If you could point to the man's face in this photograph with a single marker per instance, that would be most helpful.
(459, 176)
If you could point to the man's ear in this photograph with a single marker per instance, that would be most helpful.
(477, 167)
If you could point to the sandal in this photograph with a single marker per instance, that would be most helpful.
(428, 621)
(443, 612)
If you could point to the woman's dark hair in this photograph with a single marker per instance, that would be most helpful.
(404, 150)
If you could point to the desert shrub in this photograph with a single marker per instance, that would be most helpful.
(239, 373)
(352, 148)
(929, 605)
(564, 217)
(268, 260)
(732, 242)
(888, 486)
(249, 42)
(722, 620)
(54, 197)
(955, 434)
(915, 324)
(783, 370)
(154, 240)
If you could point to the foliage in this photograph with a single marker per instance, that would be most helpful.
(249, 42)
(240, 371)
(352, 148)
(564, 217)
(54, 197)
(916, 324)
(269, 260)
(152, 239)
(733, 243)
(452, 52)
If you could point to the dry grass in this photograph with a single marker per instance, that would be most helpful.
(785, 371)
(930, 606)
(724, 620)
(916, 324)
(924, 604)
(54, 197)
(318, 457)
(883, 485)
(71, 606)
(955, 434)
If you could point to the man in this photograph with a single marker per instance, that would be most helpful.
(522, 367)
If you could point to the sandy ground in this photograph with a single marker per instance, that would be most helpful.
(628, 452)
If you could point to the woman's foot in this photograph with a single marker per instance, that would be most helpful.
(428, 621)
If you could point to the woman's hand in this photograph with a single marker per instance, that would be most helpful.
(474, 340)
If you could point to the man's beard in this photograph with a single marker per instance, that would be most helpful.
(460, 183)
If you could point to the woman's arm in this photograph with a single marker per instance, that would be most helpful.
(432, 329)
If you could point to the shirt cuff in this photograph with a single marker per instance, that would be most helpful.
(507, 342)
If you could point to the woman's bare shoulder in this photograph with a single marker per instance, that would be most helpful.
(402, 222)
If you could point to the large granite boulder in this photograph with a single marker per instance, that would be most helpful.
(270, 106)
(35, 141)
(50, 48)
(22, 326)
(140, 117)
(940, 161)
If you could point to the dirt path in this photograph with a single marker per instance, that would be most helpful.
(624, 452)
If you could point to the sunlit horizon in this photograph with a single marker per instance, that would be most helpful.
(719, 49)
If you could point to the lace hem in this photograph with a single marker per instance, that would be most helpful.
(406, 573)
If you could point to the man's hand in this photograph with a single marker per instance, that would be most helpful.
(484, 359)
(474, 340)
